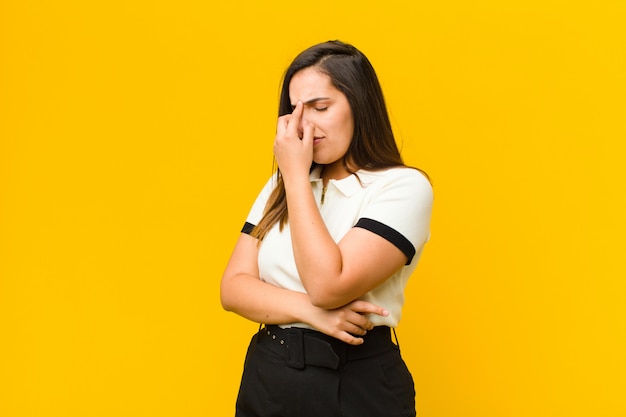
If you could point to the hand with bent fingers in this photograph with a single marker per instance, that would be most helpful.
(345, 323)
(293, 145)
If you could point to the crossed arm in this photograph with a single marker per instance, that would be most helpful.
(332, 273)
(245, 294)
(335, 275)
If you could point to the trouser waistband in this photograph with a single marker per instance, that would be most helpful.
(301, 347)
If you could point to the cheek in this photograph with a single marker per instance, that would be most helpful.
(348, 126)
(336, 125)
(343, 125)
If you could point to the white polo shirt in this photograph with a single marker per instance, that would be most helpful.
(395, 203)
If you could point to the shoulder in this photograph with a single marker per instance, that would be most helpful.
(269, 185)
(408, 173)
(258, 207)
(401, 198)
(401, 179)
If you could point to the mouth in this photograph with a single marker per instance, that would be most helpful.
(317, 139)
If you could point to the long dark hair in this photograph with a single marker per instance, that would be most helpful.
(373, 145)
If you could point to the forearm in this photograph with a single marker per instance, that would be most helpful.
(332, 274)
(243, 292)
(335, 274)
(317, 256)
(256, 300)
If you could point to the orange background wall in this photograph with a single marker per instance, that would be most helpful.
(135, 135)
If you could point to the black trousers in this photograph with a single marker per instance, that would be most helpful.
(301, 373)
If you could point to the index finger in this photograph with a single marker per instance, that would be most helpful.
(294, 120)
(364, 307)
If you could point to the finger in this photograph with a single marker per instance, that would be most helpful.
(294, 120)
(364, 307)
(359, 330)
(281, 125)
(307, 136)
(350, 339)
(362, 322)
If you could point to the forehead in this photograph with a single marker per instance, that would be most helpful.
(310, 83)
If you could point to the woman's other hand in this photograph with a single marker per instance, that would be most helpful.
(345, 323)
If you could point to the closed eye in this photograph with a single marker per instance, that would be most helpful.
(318, 103)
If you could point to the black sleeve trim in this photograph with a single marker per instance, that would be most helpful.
(390, 234)
(247, 228)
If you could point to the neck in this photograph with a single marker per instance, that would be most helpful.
(335, 171)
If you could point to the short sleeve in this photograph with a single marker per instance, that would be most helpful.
(399, 209)
(256, 212)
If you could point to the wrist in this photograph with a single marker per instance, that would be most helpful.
(295, 180)
(302, 313)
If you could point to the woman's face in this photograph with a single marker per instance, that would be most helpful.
(328, 110)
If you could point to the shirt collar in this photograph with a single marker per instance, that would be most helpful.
(349, 185)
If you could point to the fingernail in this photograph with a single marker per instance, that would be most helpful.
(385, 313)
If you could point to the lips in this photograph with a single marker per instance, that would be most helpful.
(317, 139)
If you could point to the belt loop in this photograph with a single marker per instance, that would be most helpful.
(295, 349)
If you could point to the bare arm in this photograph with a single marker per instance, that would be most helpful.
(332, 273)
(245, 294)
(335, 273)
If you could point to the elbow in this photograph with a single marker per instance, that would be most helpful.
(326, 301)
(228, 304)
(225, 304)
(225, 299)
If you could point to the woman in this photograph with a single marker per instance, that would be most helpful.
(327, 249)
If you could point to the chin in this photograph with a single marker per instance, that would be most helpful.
(321, 160)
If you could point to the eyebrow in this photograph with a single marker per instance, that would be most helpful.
(312, 101)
